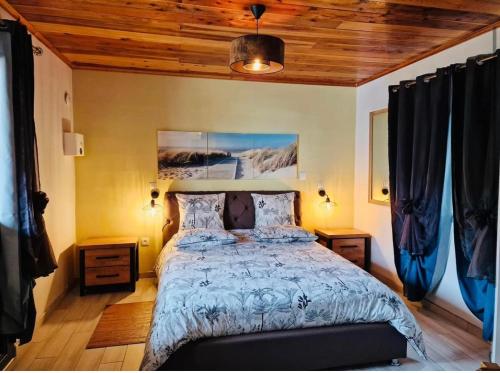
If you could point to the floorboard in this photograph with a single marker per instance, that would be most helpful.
(59, 342)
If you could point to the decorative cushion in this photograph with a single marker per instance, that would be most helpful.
(283, 233)
(188, 237)
(201, 211)
(275, 209)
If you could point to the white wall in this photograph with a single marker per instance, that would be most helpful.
(57, 172)
(375, 218)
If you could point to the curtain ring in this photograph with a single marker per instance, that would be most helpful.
(427, 79)
(481, 61)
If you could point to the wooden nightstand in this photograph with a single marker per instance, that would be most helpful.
(352, 244)
(108, 263)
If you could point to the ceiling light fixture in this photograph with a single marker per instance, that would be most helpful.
(255, 53)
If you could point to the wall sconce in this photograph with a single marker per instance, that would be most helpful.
(329, 204)
(153, 207)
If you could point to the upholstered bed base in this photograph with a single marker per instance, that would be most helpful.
(299, 349)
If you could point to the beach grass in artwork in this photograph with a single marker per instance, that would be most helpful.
(255, 156)
(195, 155)
(182, 155)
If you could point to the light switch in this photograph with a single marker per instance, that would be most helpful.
(144, 241)
(302, 176)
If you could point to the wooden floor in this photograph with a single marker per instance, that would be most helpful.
(59, 343)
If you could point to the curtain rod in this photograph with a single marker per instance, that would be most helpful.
(37, 51)
(427, 79)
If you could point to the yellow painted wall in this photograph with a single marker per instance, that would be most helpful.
(57, 171)
(119, 114)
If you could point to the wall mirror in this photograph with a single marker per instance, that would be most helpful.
(378, 179)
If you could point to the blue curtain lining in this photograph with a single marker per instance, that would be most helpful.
(426, 271)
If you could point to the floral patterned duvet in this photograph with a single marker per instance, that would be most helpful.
(249, 286)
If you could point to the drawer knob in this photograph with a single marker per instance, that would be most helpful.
(348, 246)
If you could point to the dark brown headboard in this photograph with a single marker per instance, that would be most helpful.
(239, 212)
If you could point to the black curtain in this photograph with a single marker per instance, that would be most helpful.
(418, 130)
(475, 149)
(35, 254)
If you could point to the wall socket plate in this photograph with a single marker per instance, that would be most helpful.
(144, 241)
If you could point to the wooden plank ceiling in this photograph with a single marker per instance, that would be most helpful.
(333, 42)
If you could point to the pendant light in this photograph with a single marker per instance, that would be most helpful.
(257, 54)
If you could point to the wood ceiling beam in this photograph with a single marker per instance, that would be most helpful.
(433, 51)
(82, 45)
(18, 17)
(474, 6)
(215, 13)
(344, 41)
(185, 67)
(290, 79)
(490, 7)
(127, 35)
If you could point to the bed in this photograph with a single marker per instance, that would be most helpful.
(256, 306)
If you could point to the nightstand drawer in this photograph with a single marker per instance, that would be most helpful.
(352, 249)
(349, 244)
(108, 264)
(107, 275)
(107, 257)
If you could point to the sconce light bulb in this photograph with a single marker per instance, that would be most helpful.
(328, 203)
(152, 210)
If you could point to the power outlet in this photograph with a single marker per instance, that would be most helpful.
(144, 241)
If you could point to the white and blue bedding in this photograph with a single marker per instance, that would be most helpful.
(250, 286)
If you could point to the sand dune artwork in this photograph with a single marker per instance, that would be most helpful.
(215, 155)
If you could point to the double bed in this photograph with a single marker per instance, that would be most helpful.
(255, 305)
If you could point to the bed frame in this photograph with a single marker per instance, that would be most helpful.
(297, 349)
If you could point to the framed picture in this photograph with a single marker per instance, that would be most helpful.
(216, 155)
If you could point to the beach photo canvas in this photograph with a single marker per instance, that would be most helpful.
(218, 156)
(182, 155)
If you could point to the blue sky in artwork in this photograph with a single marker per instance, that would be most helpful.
(244, 141)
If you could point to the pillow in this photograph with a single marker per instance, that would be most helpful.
(194, 236)
(201, 210)
(274, 209)
(283, 233)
